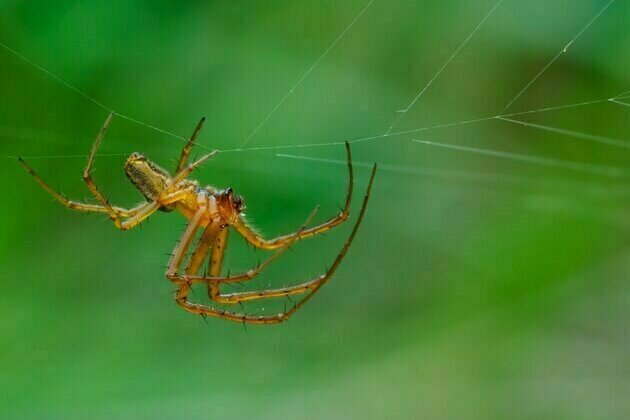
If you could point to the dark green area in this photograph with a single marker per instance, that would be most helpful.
(477, 288)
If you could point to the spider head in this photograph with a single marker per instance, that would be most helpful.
(149, 179)
(230, 205)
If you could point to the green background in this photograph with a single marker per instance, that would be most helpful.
(477, 287)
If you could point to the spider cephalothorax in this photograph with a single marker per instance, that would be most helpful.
(230, 205)
(212, 212)
(152, 181)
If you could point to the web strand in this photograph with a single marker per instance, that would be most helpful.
(608, 171)
(305, 75)
(618, 102)
(404, 111)
(554, 108)
(100, 155)
(85, 95)
(417, 130)
(569, 187)
(591, 137)
(557, 56)
(159, 130)
(504, 116)
(55, 77)
(395, 134)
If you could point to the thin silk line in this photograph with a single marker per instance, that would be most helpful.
(553, 60)
(85, 95)
(305, 75)
(609, 171)
(586, 136)
(404, 111)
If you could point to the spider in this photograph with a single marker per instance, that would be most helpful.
(212, 211)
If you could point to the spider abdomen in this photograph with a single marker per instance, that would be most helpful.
(148, 178)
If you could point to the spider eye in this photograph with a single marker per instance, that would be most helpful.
(237, 200)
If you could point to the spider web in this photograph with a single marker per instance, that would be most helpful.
(600, 178)
(429, 135)
(422, 136)
(619, 99)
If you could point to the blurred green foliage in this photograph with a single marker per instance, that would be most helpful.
(477, 288)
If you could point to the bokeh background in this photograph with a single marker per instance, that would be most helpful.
(477, 288)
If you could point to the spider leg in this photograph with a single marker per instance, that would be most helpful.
(179, 253)
(181, 297)
(203, 248)
(212, 236)
(145, 210)
(326, 277)
(185, 282)
(142, 211)
(87, 177)
(183, 174)
(258, 241)
(315, 284)
(183, 290)
(218, 251)
(189, 145)
(269, 293)
(75, 205)
(214, 280)
(216, 259)
(184, 287)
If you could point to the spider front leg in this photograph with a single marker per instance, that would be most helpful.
(210, 238)
(258, 241)
(213, 241)
(216, 259)
(183, 290)
(213, 277)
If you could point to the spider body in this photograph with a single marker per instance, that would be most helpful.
(149, 179)
(212, 212)
(152, 181)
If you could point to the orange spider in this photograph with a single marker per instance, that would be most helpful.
(212, 211)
